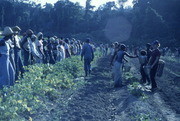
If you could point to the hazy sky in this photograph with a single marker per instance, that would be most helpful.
(82, 2)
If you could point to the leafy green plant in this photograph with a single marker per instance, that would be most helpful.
(129, 78)
(135, 90)
(40, 82)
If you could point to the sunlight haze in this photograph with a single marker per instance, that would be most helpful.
(96, 3)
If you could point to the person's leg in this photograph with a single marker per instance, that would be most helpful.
(153, 75)
(26, 58)
(4, 77)
(89, 66)
(143, 75)
(86, 66)
(117, 74)
(16, 60)
(11, 58)
(11, 74)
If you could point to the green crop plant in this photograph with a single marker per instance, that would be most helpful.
(134, 89)
(40, 82)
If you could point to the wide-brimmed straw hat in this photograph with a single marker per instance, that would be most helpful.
(16, 29)
(39, 34)
(7, 31)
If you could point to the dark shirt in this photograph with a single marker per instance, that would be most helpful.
(87, 51)
(155, 53)
(120, 56)
(148, 54)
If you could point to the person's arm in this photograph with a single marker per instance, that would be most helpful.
(82, 53)
(130, 56)
(156, 61)
(92, 53)
(113, 57)
(2, 42)
(125, 59)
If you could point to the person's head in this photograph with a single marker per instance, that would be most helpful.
(51, 39)
(155, 44)
(40, 35)
(16, 30)
(112, 45)
(123, 47)
(116, 44)
(88, 40)
(148, 45)
(29, 32)
(143, 52)
(67, 40)
(7, 33)
(61, 42)
(33, 38)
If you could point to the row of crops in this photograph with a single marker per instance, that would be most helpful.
(40, 83)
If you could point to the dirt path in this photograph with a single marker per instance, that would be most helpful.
(99, 101)
(94, 101)
(167, 100)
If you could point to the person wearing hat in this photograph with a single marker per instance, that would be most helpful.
(17, 52)
(153, 63)
(25, 44)
(117, 67)
(36, 57)
(7, 74)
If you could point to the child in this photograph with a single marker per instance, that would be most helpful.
(143, 62)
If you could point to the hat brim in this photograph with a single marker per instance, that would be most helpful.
(6, 34)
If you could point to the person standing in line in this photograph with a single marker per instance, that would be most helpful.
(45, 50)
(67, 48)
(50, 50)
(153, 63)
(36, 57)
(17, 52)
(117, 68)
(7, 73)
(39, 45)
(88, 54)
(25, 44)
(60, 51)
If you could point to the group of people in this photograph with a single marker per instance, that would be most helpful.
(148, 59)
(18, 51)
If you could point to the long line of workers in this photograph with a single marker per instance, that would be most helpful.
(17, 52)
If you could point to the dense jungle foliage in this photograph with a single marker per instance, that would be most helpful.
(148, 20)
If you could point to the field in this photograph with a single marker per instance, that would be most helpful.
(60, 93)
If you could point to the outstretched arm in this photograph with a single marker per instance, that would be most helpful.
(130, 56)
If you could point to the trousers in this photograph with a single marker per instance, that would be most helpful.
(7, 73)
(117, 73)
